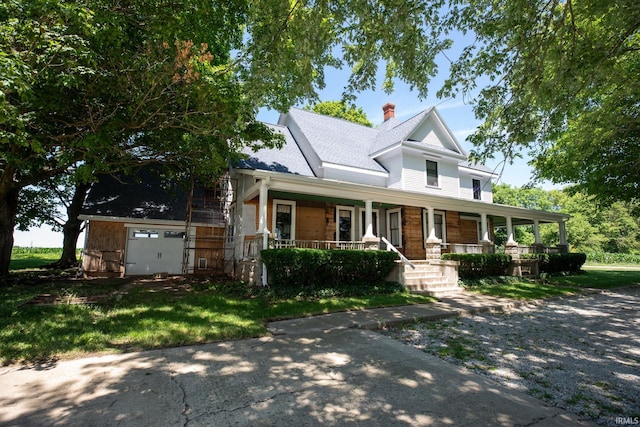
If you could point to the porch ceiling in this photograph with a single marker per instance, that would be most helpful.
(326, 189)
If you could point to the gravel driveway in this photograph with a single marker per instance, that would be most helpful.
(580, 353)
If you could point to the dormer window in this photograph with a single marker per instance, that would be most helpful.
(432, 173)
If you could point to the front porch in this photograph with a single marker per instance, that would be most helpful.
(304, 212)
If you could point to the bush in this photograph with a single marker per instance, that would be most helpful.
(558, 263)
(306, 269)
(475, 266)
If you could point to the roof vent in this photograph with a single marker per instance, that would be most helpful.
(388, 110)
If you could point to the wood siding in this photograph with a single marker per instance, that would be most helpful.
(104, 248)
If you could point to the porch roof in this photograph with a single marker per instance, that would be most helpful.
(347, 190)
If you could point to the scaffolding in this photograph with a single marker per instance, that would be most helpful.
(208, 241)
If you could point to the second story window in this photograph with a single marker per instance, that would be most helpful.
(477, 189)
(432, 173)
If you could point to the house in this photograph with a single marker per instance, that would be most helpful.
(403, 185)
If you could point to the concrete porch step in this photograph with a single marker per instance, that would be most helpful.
(437, 292)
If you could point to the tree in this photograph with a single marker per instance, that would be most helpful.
(56, 202)
(340, 110)
(96, 86)
(561, 84)
(590, 229)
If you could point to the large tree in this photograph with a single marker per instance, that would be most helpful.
(557, 80)
(99, 85)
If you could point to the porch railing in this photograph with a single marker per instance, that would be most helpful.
(315, 244)
(403, 258)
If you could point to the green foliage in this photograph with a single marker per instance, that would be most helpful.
(473, 266)
(340, 110)
(312, 269)
(558, 262)
(557, 80)
(592, 227)
(612, 258)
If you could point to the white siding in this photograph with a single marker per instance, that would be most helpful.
(466, 187)
(355, 177)
(393, 163)
(415, 175)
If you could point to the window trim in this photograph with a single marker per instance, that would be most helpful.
(388, 218)
(426, 173)
(376, 221)
(353, 222)
(274, 211)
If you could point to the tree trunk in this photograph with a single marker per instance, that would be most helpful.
(8, 210)
(72, 229)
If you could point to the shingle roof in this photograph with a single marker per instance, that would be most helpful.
(145, 194)
(389, 136)
(336, 140)
(289, 159)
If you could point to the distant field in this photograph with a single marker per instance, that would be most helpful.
(23, 258)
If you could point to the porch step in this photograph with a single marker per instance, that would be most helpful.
(428, 279)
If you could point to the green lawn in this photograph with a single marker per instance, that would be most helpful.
(123, 316)
(523, 289)
(117, 315)
(24, 258)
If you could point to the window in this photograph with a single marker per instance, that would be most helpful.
(363, 222)
(394, 226)
(284, 219)
(173, 234)
(432, 173)
(344, 222)
(145, 234)
(477, 189)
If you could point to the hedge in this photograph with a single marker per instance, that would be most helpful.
(313, 268)
(613, 258)
(558, 263)
(475, 266)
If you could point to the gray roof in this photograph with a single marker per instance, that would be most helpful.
(288, 159)
(389, 136)
(477, 166)
(336, 140)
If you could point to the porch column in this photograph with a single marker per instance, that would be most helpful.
(510, 239)
(484, 228)
(432, 245)
(536, 231)
(262, 225)
(371, 241)
(431, 224)
(538, 246)
(487, 244)
(562, 228)
(368, 218)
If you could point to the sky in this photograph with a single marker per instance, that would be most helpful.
(457, 114)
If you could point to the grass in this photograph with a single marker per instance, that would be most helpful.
(119, 315)
(516, 288)
(30, 258)
(600, 279)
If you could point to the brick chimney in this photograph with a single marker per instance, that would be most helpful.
(388, 110)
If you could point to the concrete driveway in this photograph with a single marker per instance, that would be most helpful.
(347, 376)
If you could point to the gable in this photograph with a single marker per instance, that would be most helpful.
(432, 134)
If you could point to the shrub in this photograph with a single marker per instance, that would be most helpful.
(316, 268)
(558, 263)
(475, 266)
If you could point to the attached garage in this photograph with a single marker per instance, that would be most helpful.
(154, 250)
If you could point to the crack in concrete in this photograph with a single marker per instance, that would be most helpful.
(186, 407)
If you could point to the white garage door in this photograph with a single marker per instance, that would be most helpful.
(154, 250)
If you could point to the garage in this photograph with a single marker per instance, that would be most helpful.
(154, 250)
